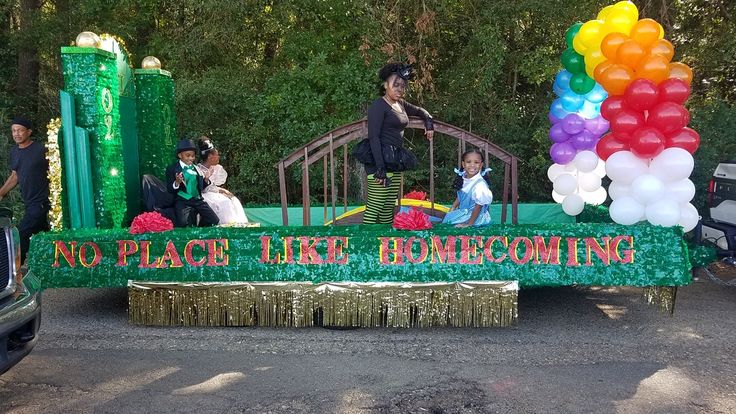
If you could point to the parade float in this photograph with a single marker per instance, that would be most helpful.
(118, 126)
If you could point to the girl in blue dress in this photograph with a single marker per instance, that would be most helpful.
(473, 193)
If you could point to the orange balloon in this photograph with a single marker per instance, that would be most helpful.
(630, 53)
(598, 72)
(610, 44)
(681, 71)
(656, 68)
(616, 78)
(664, 48)
(645, 32)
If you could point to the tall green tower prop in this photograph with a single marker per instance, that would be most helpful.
(156, 117)
(99, 85)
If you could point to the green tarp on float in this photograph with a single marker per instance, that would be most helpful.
(541, 213)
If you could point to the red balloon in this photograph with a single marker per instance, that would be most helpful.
(668, 117)
(627, 121)
(641, 94)
(608, 145)
(674, 90)
(647, 142)
(611, 106)
(686, 138)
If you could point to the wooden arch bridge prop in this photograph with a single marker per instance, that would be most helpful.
(325, 148)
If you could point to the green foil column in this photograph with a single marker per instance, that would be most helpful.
(91, 76)
(156, 120)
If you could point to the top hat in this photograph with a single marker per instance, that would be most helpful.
(185, 145)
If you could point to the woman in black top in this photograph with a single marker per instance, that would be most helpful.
(388, 116)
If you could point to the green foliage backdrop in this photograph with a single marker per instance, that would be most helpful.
(262, 77)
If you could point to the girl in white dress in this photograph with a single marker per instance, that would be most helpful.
(223, 202)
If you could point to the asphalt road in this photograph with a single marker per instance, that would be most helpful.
(573, 350)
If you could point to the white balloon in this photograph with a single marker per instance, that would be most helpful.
(589, 182)
(617, 190)
(665, 212)
(596, 197)
(554, 171)
(647, 189)
(573, 205)
(681, 191)
(600, 169)
(557, 197)
(626, 210)
(565, 184)
(570, 167)
(623, 166)
(689, 217)
(672, 164)
(586, 161)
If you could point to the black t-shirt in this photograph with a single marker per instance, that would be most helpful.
(31, 167)
(386, 126)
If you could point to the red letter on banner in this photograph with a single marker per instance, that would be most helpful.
(384, 251)
(469, 251)
(443, 253)
(613, 249)
(217, 252)
(334, 250)
(549, 255)
(170, 255)
(125, 249)
(60, 247)
(488, 250)
(83, 254)
(423, 249)
(188, 252)
(591, 244)
(527, 254)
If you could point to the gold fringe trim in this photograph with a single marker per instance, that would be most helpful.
(341, 305)
(662, 296)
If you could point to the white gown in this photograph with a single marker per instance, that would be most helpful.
(228, 210)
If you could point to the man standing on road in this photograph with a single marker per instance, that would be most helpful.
(29, 169)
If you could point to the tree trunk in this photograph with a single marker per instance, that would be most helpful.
(26, 86)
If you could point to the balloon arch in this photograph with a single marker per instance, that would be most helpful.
(619, 112)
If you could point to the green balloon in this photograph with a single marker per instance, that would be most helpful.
(571, 32)
(580, 83)
(572, 61)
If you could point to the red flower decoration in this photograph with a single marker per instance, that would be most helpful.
(412, 220)
(152, 222)
(416, 195)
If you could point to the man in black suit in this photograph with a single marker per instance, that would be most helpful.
(186, 183)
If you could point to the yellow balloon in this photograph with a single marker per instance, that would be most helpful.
(592, 59)
(578, 45)
(604, 12)
(629, 8)
(661, 31)
(619, 21)
(590, 34)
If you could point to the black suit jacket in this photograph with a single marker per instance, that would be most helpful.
(171, 172)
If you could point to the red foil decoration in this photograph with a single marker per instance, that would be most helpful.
(412, 220)
(416, 195)
(152, 222)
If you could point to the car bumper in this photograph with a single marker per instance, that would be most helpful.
(19, 323)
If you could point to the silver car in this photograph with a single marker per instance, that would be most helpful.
(20, 300)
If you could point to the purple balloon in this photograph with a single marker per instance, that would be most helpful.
(585, 140)
(557, 134)
(597, 125)
(553, 119)
(562, 153)
(572, 124)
